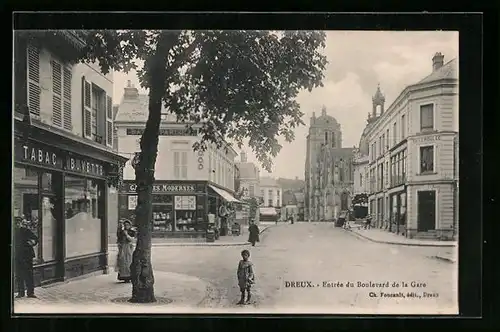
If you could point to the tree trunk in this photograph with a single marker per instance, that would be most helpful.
(141, 267)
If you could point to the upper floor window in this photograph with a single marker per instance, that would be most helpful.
(33, 79)
(180, 165)
(403, 127)
(326, 137)
(382, 143)
(427, 159)
(387, 139)
(427, 117)
(262, 193)
(394, 133)
(360, 180)
(61, 95)
(252, 190)
(97, 114)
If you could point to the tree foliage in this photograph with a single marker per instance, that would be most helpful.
(234, 85)
(237, 85)
(360, 199)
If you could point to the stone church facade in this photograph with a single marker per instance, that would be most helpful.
(329, 171)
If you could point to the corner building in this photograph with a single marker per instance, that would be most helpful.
(188, 185)
(65, 170)
(413, 149)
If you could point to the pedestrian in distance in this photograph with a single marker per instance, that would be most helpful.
(253, 231)
(368, 222)
(126, 236)
(24, 253)
(246, 277)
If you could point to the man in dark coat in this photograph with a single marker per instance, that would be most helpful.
(24, 253)
(254, 233)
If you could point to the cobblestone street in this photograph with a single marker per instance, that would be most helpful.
(316, 253)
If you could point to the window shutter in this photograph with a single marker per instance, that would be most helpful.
(56, 93)
(86, 108)
(184, 164)
(109, 121)
(67, 77)
(176, 165)
(33, 79)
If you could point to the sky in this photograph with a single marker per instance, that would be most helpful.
(357, 62)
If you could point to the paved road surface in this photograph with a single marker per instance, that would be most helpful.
(316, 253)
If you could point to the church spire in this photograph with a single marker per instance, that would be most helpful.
(378, 100)
(323, 110)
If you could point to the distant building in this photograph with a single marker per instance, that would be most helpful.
(188, 185)
(249, 175)
(412, 150)
(271, 192)
(328, 170)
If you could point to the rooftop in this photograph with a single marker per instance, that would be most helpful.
(136, 110)
(448, 71)
(268, 182)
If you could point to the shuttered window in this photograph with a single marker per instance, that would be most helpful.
(86, 108)
(67, 78)
(34, 90)
(56, 93)
(61, 95)
(109, 121)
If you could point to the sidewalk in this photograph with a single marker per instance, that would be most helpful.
(382, 236)
(175, 293)
(223, 241)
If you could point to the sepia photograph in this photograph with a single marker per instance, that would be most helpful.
(235, 172)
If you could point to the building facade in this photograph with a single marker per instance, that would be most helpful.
(412, 156)
(64, 169)
(249, 176)
(189, 185)
(270, 192)
(328, 170)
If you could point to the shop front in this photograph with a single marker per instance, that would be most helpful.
(61, 188)
(397, 210)
(181, 209)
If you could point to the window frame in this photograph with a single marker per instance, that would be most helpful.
(434, 108)
(434, 162)
(65, 115)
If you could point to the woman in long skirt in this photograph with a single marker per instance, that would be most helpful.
(253, 233)
(125, 239)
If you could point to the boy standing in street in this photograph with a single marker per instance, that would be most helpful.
(246, 277)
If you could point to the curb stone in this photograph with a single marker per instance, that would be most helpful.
(445, 259)
(399, 243)
(201, 244)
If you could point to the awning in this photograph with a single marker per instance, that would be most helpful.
(225, 195)
(268, 211)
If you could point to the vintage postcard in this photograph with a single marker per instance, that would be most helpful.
(235, 172)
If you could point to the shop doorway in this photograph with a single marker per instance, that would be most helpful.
(426, 210)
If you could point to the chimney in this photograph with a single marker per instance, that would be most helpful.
(131, 91)
(243, 157)
(437, 61)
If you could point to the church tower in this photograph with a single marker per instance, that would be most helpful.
(323, 130)
(377, 100)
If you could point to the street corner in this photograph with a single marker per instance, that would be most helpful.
(175, 293)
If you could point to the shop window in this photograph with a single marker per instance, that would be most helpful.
(427, 159)
(26, 200)
(49, 228)
(83, 219)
